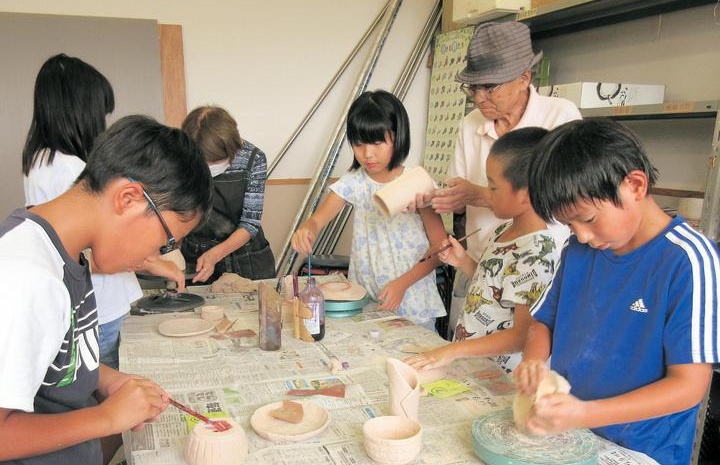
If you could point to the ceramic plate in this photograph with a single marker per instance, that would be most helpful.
(179, 327)
(315, 420)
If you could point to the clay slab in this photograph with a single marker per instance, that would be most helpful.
(181, 327)
(315, 420)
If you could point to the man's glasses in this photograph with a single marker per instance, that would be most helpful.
(171, 242)
(471, 90)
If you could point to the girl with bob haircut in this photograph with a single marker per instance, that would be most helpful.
(385, 250)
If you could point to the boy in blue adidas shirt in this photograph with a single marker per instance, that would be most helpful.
(631, 316)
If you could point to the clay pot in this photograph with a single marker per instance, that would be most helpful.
(212, 312)
(393, 197)
(392, 440)
(209, 447)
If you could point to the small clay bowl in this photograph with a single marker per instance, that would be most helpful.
(206, 446)
(392, 440)
(212, 312)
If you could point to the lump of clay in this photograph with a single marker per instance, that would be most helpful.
(231, 282)
(290, 411)
(176, 257)
(552, 383)
(206, 446)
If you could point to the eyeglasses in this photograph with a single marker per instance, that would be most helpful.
(171, 242)
(471, 90)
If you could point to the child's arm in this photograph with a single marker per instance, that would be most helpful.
(501, 342)
(533, 367)
(682, 388)
(307, 232)
(166, 269)
(25, 434)
(393, 292)
(457, 257)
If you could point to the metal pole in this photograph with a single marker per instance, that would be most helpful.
(401, 88)
(326, 91)
(287, 256)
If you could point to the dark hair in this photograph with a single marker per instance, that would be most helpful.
(584, 160)
(515, 150)
(372, 117)
(70, 104)
(165, 160)
(214, 131)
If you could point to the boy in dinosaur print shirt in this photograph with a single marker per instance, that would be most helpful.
(514, 270)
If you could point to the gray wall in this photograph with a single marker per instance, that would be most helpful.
(126, 51)
(679, 49)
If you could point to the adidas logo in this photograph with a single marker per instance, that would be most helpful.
(639, 306)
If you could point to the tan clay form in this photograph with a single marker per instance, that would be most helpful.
(392, 198)
(392, 440)
(552, 383)
(176, 257)
(182, 327)
(231, 282)
(212, 312)
(342, 291)
(404, 389)
(315, 420)
(206, 446)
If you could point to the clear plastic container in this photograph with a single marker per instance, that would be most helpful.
(312, 297)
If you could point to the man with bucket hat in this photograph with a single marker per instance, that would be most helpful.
(498, 78)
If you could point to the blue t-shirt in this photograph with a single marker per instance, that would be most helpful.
(617, 322)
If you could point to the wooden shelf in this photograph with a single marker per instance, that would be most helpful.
(667, 110)
(677, 193)
(571, 15)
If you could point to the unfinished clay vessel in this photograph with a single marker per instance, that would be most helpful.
(212, 312)
(209, 447)
(392, 440)
(552, 383)
(395, 196)
(342, 291)
(404, 389)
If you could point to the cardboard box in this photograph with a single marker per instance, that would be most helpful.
(467, 12)
(606, 94)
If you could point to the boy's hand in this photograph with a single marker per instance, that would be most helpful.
(392, 295)
(303, 240)
(528, 376)
(421, 200)
(555, 413)
(165, 269)
(133, 403)
(205, 265)
(455, 255)
(432, 359)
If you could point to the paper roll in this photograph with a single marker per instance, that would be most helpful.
(395, 196)
(690, 209)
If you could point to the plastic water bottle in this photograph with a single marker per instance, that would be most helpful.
(312, 297)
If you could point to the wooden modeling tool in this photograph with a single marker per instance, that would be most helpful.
(219, 425)
(442, 249)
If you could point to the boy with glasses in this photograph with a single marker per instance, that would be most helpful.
(144, 187)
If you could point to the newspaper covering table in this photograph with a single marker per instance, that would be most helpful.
(228, 375)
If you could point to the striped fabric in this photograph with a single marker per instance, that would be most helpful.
(703, 257)
(255, 192)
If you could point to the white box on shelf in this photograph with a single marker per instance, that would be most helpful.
(606, 94)
(465, 12)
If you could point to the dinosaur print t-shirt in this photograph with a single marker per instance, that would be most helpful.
(508, 274)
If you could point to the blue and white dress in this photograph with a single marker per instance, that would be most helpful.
(384, 248)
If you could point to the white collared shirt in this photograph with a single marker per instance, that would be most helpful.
(475, 138)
